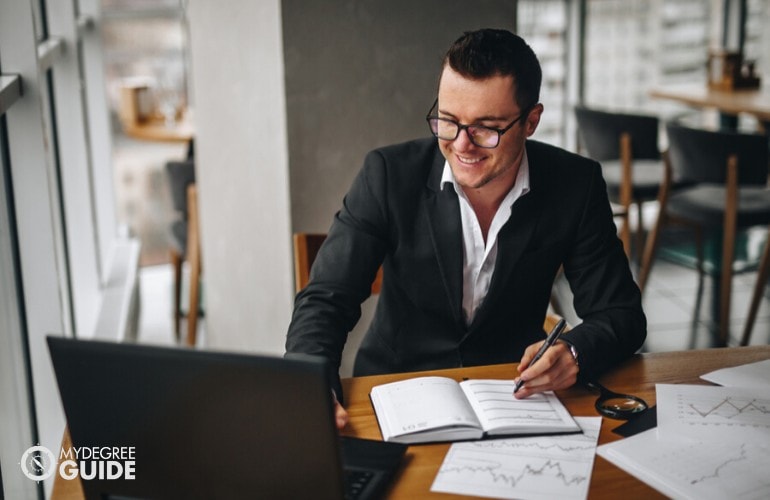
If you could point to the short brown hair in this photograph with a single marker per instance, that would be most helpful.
(495, 52)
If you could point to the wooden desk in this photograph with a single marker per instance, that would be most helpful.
(637, 376)
(755, 102)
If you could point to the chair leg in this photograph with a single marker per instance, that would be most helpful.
(728, 248)
(639, 232)
(759, 287)
(650, 246)
(176, 262)
(194, 258)
(192, 313)
(626, 192)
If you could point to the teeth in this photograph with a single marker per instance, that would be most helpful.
(469, 160)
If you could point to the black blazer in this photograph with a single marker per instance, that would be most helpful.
(397, 215)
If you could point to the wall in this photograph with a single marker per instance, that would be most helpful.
(242, 172)
(362, 74)
(358, 74)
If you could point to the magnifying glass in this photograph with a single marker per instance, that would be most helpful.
(618, 406)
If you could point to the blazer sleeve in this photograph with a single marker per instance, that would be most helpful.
(341, 276)
(605, 294)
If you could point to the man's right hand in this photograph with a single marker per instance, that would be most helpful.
(340, 415)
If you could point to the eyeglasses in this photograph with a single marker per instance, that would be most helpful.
(481, 136)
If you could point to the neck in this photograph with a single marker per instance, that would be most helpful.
(486, 201)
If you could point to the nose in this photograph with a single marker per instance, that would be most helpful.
(463, 140)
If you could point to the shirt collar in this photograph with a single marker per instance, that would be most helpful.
(520, 186)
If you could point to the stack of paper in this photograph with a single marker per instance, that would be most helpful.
(711, 442)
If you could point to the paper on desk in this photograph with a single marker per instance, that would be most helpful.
(736, 414)
(711, 442)
(680, 467)
(542, 467)
(749, 375)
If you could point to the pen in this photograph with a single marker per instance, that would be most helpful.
(549, 341)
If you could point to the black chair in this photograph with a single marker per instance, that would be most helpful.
(626, 145)
(725, 174)
(181, 174)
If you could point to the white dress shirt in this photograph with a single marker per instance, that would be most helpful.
(479, 258)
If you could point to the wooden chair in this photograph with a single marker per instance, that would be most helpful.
(726, 174)
(626, 145)
(185, 244)
(194, 259)
(306, 246)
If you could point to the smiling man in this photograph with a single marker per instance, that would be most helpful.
(471, 227)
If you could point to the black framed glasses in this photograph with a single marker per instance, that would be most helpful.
(481, 136)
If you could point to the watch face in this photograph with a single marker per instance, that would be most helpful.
(574, 353)
(38, 463)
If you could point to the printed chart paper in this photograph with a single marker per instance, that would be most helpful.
(542, 467)
(711, 442)
(711, 413)
(693, 469)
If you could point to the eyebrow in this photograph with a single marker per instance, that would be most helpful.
(480, 119)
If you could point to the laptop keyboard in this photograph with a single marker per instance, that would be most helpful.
(355, 482)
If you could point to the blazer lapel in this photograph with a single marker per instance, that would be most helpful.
(443, 216)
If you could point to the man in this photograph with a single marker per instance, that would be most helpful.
(471, 228)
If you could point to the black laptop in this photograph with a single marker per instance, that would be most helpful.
(203, 424)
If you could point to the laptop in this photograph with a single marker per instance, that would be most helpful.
(203, 424)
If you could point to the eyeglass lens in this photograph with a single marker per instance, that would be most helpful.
(448, 130)
(618, 406)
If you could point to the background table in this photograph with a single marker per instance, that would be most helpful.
(755, 102)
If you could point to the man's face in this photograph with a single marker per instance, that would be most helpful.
(489, 102)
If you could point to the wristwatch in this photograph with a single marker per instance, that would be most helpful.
(574, 353)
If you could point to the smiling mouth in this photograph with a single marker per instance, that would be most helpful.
(469, 161)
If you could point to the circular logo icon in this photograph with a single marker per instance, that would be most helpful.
(38, 463)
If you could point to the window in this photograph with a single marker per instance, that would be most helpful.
(543, 24)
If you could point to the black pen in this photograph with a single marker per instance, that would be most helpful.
(549, 341)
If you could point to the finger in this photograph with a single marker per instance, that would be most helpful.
(558, 373)
(542, 365)
(529, 353)
(341, 415)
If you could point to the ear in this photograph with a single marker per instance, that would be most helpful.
(533, 119)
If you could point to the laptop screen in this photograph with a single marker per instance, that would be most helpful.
(197, 423)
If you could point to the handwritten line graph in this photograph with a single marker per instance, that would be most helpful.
(742, 455)
(728, 408)
(725, 413)
(496, 471)
(529, 467)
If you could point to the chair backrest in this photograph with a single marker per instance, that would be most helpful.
(700, 156)
(306, 247)
(180, 175)
(600, 133)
